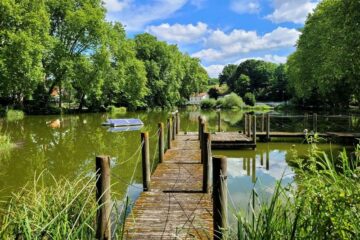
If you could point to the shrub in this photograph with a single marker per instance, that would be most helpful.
(220, 102)
(232, 101)
(249, 99)
(14, 115)
(113, 109)
(208, 103)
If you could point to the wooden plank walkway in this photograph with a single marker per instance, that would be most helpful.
(231, 140)
(175, 208)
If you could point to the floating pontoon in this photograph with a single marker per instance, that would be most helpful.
(123, 122)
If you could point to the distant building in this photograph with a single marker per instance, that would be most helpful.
(195, 99)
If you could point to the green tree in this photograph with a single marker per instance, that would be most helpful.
(226, 73)
(23, 38)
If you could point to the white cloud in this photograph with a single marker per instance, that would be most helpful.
(294, 11)
(245, 6)
(198, 3)
(226, 47)
(115, 5)
(135, 16)
(216, 69)
(179, 33)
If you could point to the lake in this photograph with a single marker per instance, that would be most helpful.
(67, 145)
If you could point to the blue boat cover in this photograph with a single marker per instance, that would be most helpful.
(123, 122)
(125, 129)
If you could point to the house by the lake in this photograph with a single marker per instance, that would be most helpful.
(195, 99)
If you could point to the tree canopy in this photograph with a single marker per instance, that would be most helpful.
(69, 48)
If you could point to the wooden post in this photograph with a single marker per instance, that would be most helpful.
(202, 129)
(145, 161)
(262, 122)
(267, 127)
(245, 123)
(248, 166)
(219, 195)
(306, 117)
(177, 122)
(103, 230)
(249, 126)
(199, 121)
(161, 142)
(315, 122)
(169, 137)
(254, 129)
(205, 155)
(244, 164)
(261, 159)
(219, 121)
(173, 127)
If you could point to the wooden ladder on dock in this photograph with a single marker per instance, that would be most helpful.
(175, 207)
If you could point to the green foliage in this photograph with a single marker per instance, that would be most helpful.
(213, 81)
(14, 115)
(52, 209)
(324, 204)
(232, 101)
(208, 103)
(113, 109)
(69, 50)
(249, 99)
(226, 73)
(325, 69)
(5, 143)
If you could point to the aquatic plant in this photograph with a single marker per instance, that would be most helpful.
(5, 143)
(14, 115)
(53, 209)
(324, 205)
(115, 110)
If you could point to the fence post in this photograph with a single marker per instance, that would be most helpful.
(205, 156)
(202, 129)
(219, 195)
(145, 161)
(169, 137)
(161, 142)
(177, 122)
(249, 126)
(103, 230)
(254, 129)
(267, 127)
(253, 169)
(267, 159)
(262, 123)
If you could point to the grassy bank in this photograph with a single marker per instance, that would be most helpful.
(324, 204)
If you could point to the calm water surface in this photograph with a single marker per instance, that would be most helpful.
(67, 146)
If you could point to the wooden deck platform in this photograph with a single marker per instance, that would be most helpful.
(175, 208)
(231, 140)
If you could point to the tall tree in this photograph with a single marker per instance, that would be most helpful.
(226, 73)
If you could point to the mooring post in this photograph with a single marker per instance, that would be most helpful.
(315, 122)
(254, 129)
(249, 126)
(267, 127)
(245, 124)
(205, 155)
(202, 129)
(199, 127)
(169, 137)
(177, 122)
(161, 142)
(219, 120)
(219, 195)
(248, 166)
(253, 169)
(145, 153)
(103, 230)
(261, 159)
(267, 159)
(173, 127)
(262, 122)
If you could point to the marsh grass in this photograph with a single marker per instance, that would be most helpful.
(5, 143)
(49, 208)
(14, 115)
(324, 203)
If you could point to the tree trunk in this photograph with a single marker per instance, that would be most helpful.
(81, 102)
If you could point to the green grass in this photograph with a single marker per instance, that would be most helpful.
(5, 143)
(116, 110)
(49, 208)
(14, 115)
(260, 107)
(325, 203)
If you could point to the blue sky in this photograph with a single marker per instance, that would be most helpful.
(219, 32)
